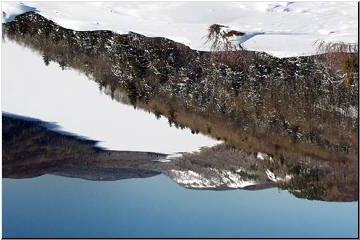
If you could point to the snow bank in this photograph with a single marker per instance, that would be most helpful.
(12, 9)
(187, 22)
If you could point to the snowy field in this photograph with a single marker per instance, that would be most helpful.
(187, 22)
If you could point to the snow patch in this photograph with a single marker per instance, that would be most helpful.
(10, 11)
(213, 179)
(163, 160)
(168, 158)
(271, 176)
(261, 156)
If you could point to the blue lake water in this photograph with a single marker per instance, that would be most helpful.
(54, 206)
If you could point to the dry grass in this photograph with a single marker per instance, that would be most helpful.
(340, 47)
(340, 57)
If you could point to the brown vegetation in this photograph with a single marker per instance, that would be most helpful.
(225, 52)
(340, 56)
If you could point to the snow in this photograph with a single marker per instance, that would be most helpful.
(187, 22)
(217, 178)
(240, 169)
(70, 99)
(351, 111)
(169, 158)
(271, 176)
(11, 10)
(261, 156)
(164, 160)
(173, 156)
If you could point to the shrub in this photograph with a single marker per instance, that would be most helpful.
(223, 50)
(340, 57)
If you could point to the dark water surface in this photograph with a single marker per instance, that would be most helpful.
(54, 206)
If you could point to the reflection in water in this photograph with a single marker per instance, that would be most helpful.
(296, 110)
(30, 150)
(53, 206)
(42, 151)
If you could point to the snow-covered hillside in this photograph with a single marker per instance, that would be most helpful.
(187, 22)
(213, 179)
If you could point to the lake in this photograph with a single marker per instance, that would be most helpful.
(53, 206)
